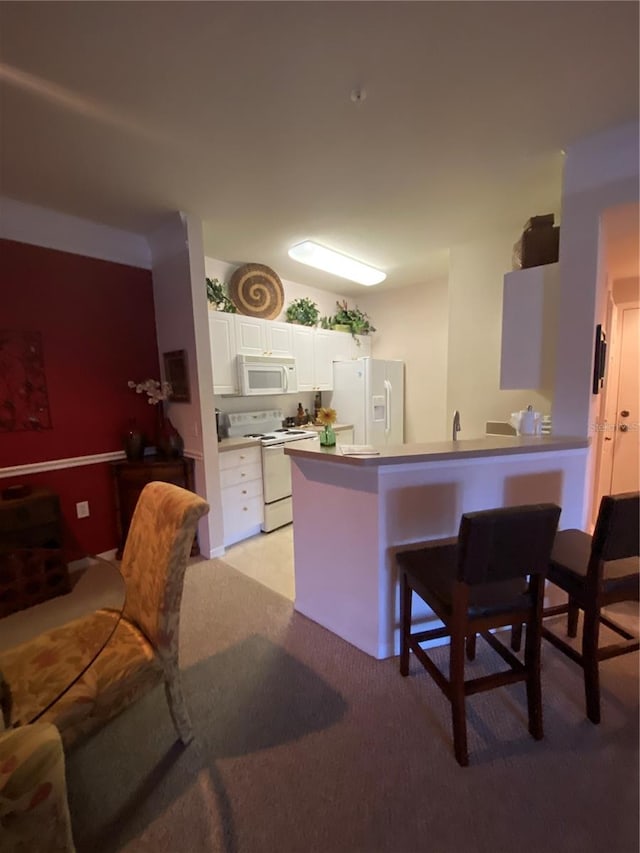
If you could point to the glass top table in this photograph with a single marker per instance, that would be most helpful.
(34, 641)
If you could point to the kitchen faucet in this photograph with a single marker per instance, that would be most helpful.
(455, 428)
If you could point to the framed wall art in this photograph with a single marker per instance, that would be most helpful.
(24, 402)
(176, 373)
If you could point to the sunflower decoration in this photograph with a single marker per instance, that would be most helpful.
(327, 418)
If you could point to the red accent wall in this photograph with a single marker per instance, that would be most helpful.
(98, 331)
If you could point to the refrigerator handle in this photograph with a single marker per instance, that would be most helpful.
(387, 407)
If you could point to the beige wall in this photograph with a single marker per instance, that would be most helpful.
(413, 326)
(476, 275)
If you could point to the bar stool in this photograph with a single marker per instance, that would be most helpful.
(490, 577)
(596, 571)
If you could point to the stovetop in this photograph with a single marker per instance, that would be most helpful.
(265, 425)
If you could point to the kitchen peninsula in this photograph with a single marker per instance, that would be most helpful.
(352, 513)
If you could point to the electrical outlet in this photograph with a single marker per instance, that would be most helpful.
(82, 509)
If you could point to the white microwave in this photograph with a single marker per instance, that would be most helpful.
(264, 374)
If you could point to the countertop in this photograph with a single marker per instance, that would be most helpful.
(436, 451)
(336, 427)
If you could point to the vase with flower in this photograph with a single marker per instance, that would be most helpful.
(327, 418)
(169, 443)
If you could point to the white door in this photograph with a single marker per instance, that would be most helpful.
(626, 439)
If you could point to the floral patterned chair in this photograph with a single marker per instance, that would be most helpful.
(143, 649)
(34, 815)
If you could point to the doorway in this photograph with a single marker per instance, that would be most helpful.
(617, 449)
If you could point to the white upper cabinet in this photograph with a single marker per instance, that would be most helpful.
(263, 337)
(323, 360)
(361, 346)
(222, 335)
(341, 345)
(529, 324)
(344, 346)
(303, 354)
(314, 362)
(315, 350)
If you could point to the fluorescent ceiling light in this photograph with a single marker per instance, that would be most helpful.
(314, 255)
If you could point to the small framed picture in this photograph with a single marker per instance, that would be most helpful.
(176, 373)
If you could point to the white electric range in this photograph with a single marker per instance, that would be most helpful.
(276, 467)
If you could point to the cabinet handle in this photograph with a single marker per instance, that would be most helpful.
(244, 508)
(242, 457)
(243, 474)
(244, 491)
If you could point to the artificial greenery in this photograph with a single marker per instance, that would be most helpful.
(217, 295)
(355, 318)
(303, 311)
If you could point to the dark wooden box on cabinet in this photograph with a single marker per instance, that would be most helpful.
(540, 242)
(130, 478)
(32, 565)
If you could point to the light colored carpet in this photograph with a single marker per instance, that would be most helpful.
(306, 745)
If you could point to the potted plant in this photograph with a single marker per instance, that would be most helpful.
(353, 319)
(217, 295)
(303, 311)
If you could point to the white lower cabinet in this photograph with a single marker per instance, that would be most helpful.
(344, 436)
(242, 500)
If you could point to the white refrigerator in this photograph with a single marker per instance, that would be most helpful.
(369, 393)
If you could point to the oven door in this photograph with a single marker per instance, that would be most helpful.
(276, 473)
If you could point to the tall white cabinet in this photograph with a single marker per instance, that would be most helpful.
(529, 327)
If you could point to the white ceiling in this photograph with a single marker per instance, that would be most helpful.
(240, 113)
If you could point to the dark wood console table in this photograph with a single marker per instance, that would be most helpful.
(131, 477)
(32, 564)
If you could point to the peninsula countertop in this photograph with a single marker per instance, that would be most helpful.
(436, 451)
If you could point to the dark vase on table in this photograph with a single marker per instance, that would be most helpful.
(169, 443)
(134, 442)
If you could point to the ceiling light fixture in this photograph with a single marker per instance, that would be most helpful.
(314, 255)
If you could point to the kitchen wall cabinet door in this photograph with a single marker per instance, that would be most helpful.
(222, 334)
(341, 346)
(529, 324)
(263, 337)
(250, 335)
(322, 360)
(303, 354)
(279, 338)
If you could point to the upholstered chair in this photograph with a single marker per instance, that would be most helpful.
(34, 814)
(143, 649)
